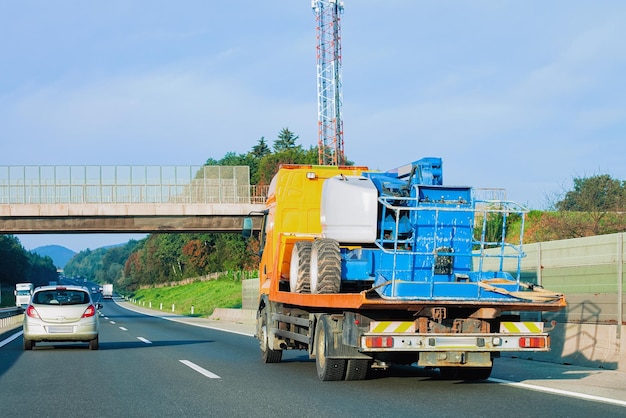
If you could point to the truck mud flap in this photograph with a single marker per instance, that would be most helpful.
(336, 349)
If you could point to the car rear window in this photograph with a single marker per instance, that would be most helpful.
(60, 297)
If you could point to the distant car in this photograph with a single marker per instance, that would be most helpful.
(61, 313)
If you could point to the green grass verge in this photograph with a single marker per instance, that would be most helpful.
(203, 296)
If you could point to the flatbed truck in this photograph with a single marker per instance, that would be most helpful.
(364, 269)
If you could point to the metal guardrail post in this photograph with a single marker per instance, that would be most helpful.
(620, 284)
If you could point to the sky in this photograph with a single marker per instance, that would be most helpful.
(521, 95)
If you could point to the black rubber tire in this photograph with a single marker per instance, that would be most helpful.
(94, 344)
(327, 369)
(356, 369)
(28, 344)
(325, 266)
(300, 268)
(268, 355)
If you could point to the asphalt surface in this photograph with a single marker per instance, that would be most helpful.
(567, 380)
(598, 385)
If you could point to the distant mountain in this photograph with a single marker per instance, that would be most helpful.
(60, 255)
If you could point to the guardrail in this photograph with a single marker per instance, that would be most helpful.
(10, 316)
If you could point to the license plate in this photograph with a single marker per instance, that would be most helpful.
(61, 330)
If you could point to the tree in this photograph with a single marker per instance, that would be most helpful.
(599, 193)
(286, 141)
(195, 255)
(41, 270)
(595, 206)
(261, 149)
(270, 164)
(13, 260)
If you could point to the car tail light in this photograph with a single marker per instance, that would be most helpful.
(379, 342)
(32, 312)
(89, 312)
(532, 342)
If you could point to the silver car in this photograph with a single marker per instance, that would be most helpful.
(61, 313)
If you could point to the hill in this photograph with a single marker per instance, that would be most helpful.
(60, 255)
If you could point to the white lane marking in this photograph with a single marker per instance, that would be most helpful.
(200, 369)
(181, 319)
(559, 392)
(144, 340)
(113, 322)
(123, 329)
(11, 338)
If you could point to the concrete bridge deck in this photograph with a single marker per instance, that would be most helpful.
(130, 199)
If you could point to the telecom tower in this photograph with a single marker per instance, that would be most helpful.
(330, 124)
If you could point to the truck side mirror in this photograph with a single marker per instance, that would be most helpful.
(246, 231)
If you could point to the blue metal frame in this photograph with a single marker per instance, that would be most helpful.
(426, 247)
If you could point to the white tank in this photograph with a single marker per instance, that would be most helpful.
(349, 209)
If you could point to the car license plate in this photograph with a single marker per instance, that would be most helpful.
(60, 329)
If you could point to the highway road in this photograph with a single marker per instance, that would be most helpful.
(148, 366)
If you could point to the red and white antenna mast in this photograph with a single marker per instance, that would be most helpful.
(329, 97)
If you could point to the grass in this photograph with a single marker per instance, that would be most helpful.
(203, 296)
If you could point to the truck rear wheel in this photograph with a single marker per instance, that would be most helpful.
(268, 355)
(300, 268)
(328, 369)
(357, 368)
(325, 266)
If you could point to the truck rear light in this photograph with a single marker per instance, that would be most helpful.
(532, 342)
(89, 312)
(32, 312)
(379, 342)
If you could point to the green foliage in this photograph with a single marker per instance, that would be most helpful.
(165, 258)
(104, 265)
(599, 193)
(18, 265)
(224, 292)
(13, 260)
(596, 206)
(261, 149)
(41, 270)
(286, 141)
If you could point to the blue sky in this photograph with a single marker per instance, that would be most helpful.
(522, 95)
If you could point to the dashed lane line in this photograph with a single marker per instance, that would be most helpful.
(200, 370)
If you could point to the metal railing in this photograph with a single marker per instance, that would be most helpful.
(10, 316)
(128, 184)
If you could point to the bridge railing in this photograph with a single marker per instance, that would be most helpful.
(127, 184)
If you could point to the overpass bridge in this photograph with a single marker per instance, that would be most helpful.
(126, 199)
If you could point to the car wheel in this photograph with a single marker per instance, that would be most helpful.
(93, 344)
(28, 344)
